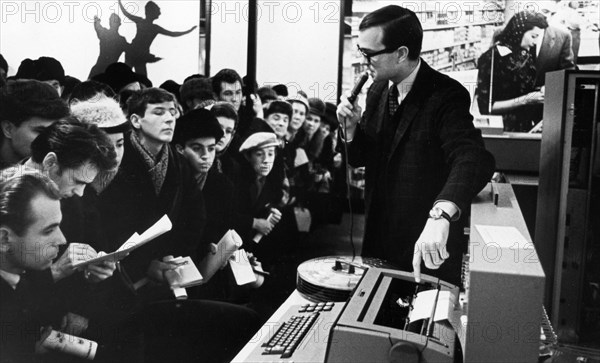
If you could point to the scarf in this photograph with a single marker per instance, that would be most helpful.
(157, 167)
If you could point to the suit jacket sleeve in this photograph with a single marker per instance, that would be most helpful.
(566, 53)
(470, 164)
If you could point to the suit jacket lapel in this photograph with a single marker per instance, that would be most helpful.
(546, 46)
(410, 105)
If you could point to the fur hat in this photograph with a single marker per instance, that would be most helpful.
(259, 140)
(316, 106)
(102, 111)
(41, 69)
(119, 75)
(197, 123)
(197, 88)
(283, 107)
(330, 116)
(300, 99)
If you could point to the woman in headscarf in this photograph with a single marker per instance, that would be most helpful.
(507, 73)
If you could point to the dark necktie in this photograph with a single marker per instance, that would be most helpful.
(393, 100)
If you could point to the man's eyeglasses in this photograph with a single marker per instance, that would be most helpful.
(369, 55)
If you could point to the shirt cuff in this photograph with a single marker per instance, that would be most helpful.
(450, 208)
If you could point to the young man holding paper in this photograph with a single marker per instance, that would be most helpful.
(153, 180)
(30, 237)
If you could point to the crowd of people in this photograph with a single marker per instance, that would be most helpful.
(87, 164)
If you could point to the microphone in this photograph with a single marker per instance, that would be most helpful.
(358, 86)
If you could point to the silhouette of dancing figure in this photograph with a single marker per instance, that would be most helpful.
(138, 53)
(112, 44)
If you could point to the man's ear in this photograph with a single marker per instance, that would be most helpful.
(135, 121)
(402, 53)
(179, 148)
(50, 162)
(7, 128)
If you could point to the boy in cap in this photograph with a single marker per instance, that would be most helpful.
(26, 108)
(278, 115)
(257, 192)
(300, 109)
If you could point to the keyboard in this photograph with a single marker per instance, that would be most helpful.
(290, 333)
(300, 335)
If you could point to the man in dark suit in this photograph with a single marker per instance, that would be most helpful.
(424, 159)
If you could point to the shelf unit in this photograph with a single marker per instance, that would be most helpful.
(453, 38)
(566, 238)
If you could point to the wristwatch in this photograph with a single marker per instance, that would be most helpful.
(438, 213)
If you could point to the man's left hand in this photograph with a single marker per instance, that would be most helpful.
(101, 271)
(75, 253)
(431, 246)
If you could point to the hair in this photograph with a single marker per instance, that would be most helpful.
(194, 76)
(225, 109)
(91, 89)
(102, 111)
(279, 107)
(266, 94)
(195, 124)
(196, 88)
(18, 187)
(151, 8)
(225, 75)
(74, 144)
(3, 63)
(281, 90)
(114, 18)
(330, 116)
(139, 100)
(173, 87)
(23, 99)
(521, 22)
(68, 84)
(400, 26)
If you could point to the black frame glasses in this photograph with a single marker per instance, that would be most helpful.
(368, 56)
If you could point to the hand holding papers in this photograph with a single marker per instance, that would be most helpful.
(226, 247)
(184, 273)
(162, 226)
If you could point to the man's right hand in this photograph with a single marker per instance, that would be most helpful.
(349, 115)
(262, 225)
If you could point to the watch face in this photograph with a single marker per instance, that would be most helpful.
(435, 213)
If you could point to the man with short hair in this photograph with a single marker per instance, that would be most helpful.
(30, 237)
(227, 86)
(26, 108)
(153, 180)
(424, 159)
(29, 241)
(72, 154)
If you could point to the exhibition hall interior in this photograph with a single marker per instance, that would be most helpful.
(300, 181)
